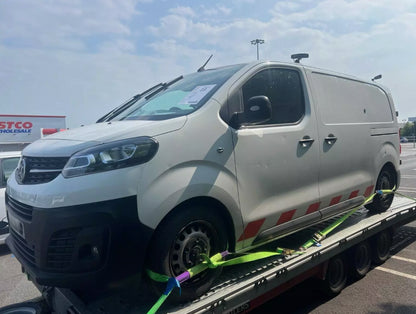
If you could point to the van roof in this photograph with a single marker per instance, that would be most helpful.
(310, 68)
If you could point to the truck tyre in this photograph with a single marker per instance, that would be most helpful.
(360, 260)
(176, 247)
(37, 306)
(385, 181)
(381, 244)
(335, 277)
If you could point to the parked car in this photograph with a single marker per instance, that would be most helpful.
(8, 162)
(403, 139)
(227, 158)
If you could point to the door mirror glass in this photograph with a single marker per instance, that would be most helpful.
(258, 110)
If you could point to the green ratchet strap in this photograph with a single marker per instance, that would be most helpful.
(321, 235)
(245, 258)
(217, 259)
(157, 277)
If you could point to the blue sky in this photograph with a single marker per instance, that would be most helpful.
(82, 58)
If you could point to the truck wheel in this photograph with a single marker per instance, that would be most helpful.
(381, 244)
(385, 181)
(360, 260)
(178, 242)
(335, 277)
(38, 306)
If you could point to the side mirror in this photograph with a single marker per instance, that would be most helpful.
(258, 110)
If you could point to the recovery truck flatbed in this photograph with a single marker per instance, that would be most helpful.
(244, 287)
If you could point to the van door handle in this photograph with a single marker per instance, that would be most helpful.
(306, 141)
(331, 139)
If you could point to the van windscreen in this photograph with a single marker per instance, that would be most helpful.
(181, 98)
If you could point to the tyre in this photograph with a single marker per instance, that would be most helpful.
(335, 277)
(177, 244)
(360, 260)
(38, 306)
(381, 244)
(385, 181)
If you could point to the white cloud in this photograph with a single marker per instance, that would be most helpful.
(81, 86)
(224, 10)
(183, 11)
(117, 46)
(171, 26)
(48, 64)
(63, 24)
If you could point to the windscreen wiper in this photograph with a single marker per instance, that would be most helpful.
(164, 86)
(126, 105)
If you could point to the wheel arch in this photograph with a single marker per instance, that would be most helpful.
(215, 205)
(388, 157)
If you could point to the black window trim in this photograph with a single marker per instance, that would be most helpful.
(238, 89)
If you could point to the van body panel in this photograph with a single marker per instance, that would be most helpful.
(64, 144)
(62, 192)
(191, 164)
(350, 112)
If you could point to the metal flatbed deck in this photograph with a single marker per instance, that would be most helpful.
(243, 287)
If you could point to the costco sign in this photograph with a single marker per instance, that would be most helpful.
(27, 128)
(15, 127)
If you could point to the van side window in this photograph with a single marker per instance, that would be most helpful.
(284, 90)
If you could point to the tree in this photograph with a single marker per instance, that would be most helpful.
(407, 130)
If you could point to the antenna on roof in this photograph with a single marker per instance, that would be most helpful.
(377, 77)
(299, 56)
(203, 67)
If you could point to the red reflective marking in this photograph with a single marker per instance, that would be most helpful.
(252, 229)
(313, 208)
(335, 200)
(286, 216)
(354, 194)
(368, 191)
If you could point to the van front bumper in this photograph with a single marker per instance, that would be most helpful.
(77, 245)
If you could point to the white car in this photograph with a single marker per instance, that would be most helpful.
(8, 162)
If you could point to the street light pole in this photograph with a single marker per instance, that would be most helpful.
(257, 42)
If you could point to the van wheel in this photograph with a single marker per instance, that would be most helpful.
(360, 260)
(381, 244)
(385, 181)
(335, 277)
(177, 244)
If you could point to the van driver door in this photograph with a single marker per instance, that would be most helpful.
(277, 161)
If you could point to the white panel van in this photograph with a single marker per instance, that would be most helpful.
(226, 158)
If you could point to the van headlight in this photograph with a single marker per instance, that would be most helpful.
(110, 156)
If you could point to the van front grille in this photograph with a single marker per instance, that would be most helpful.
(23, 248)
(19, 209)
(42, 169)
